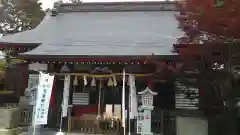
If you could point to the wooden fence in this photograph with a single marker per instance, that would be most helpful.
(85, 124)
(89, 124)
(167, 126)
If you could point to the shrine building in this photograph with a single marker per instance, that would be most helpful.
(93, 42)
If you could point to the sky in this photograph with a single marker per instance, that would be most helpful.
(49, 3)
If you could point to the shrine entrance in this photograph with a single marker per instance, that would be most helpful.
(84, 98)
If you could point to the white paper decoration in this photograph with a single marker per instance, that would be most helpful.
(85, 80)
(110, 82)
(114, 81)
(75, 81)
(93, 83)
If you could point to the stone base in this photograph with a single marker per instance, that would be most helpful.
(147, 134)
(31, 130)
(195, 126)
(9, 131)
(60, 133)
(9, 118)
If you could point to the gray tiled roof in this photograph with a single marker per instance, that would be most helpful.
(103, 33)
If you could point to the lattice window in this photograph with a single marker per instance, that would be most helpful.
(147, 100)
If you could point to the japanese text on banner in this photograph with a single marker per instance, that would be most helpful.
(43, 98)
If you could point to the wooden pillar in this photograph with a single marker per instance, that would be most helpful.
(70, 119)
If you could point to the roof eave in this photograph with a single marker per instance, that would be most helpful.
(9, 45)
(95, 57)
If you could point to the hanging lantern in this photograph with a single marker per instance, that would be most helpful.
(93, 83)
(110, 82)
(114, 81)
(75, 81)
(85, 80)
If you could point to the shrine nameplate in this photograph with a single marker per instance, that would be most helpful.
(140, 118)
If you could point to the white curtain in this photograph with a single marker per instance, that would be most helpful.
(132, 97)
(65, 95)
(123, 99)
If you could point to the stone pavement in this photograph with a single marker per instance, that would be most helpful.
(53, 132)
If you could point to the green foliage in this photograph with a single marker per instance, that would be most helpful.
(219, 3)
(2, 65)
(17, 16)
(20, 15)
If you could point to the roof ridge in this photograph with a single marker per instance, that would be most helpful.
(118, 2)
(118, 6)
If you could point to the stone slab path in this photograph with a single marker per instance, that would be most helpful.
(53, 132)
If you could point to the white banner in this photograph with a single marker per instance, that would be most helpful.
(123, 100)
(65, 95)
(132, 97)
(43, 98)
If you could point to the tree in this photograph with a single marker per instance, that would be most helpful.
(211, 45)
(214, 18)
(20, 15)
(17, 16)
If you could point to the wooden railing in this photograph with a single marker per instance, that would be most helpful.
(88, 123)
(110, 126)
(91, 125)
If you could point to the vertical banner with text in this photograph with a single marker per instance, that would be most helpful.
(65, 95)
(140, 119)
(44, 91)
(123, 100)
(132, 97)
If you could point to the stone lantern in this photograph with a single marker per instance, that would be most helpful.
(147, 107)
